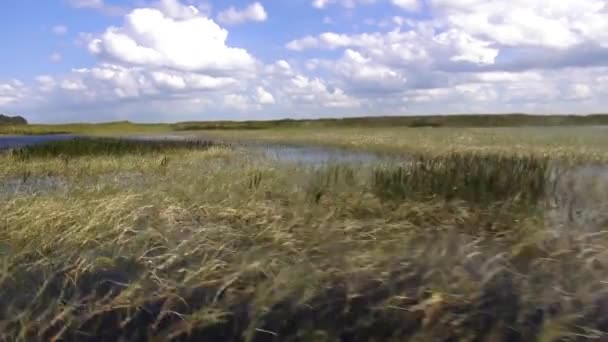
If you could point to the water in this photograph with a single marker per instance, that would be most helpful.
(313, 155)
(580, 199)
(10, 141)
(296, 154)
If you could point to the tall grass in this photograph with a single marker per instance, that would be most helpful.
(212, 247)
(105, 147)
(465, 176)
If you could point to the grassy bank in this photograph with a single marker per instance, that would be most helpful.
(88, 129)
(214, 244)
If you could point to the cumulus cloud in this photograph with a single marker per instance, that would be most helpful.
(264, 97)
(410, 5)
(556, 24)
(12, 92)
(316, 92)
(169, 60)
(178, 39)
(233, 16)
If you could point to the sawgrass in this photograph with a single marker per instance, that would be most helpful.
(566, 143)
(106, 147)
(215, 244)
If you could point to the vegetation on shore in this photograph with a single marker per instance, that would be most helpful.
(215, 244)
(470, 120)
(413, 121)
(12, 120)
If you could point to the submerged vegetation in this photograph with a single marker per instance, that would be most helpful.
(200, 242)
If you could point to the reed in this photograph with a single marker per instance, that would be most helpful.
(466, 176)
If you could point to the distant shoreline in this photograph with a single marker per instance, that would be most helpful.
(472, 120)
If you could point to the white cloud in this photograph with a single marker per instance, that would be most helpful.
(176, 10)
(238, 102)
(72, 85)
(11, 92)
(233, 16)
(409, 5)
(168, 60)
(152, 38)
(363, 73)
(46, 83)
(580, 91)
(398, 46)
(60, 30)
(556, 24)
(264, 97)
(467, 48)
(315, 92)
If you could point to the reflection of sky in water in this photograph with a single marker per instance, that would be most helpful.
(314, 155)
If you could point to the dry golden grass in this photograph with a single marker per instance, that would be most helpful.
(215, 245)
(590, 143)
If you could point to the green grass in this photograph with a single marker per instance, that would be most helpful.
(215, 244)
(470, 177)
(89, 129)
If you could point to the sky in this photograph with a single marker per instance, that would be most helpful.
(183, 60)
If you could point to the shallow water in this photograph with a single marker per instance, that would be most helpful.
(298, 154)
(313, 155)
(579, 199)
(15, 141)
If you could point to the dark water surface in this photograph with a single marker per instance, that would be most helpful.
(15, 141)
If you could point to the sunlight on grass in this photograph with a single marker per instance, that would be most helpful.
(213, 243)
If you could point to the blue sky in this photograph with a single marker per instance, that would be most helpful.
(172, 60)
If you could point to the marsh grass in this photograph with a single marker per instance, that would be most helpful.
(570, 144)
(213, 246)
(79, 147)
(465, 176)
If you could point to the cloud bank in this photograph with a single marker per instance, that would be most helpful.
(171, 61)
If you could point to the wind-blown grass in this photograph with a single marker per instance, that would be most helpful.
(212, 246)
(465, 176)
